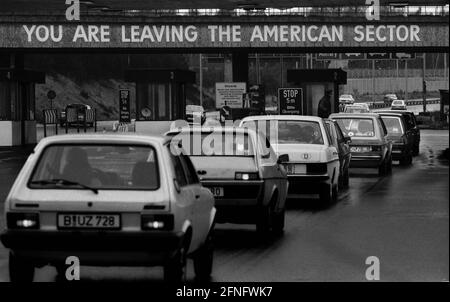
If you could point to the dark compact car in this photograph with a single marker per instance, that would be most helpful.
(402, 138)
(342, 144)
(370, 146)
(410, 125)
(80, 114)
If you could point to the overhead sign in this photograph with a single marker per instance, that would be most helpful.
(353, 56)
(404, 55)
(124, 106)
(327, 56)
(203, 35)
(230, 94)
(378, 55)
(290, 100)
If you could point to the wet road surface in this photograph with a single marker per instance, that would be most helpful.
(403, 219)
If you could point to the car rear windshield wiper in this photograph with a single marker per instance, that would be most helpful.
(61, 181)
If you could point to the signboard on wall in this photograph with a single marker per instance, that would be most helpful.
(42, 34)
(230, 94)
(124, 106)
(290, 100)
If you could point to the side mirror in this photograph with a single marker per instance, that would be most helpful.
(347, 139)
(283, 158)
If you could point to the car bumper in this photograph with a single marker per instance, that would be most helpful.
(240, 201)
(364, 160)
(94, 247)
(307, 184)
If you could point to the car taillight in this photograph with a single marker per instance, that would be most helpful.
(22, 220)
(160, 222)
(246, 176)
(316, 168)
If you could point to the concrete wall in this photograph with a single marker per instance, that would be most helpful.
(382, 85)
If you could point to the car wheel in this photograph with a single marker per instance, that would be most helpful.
(264, 221)
(203, 259)
(346, 179)
(382, 168)
(326, 195)
(389, 166)
(416, 150)
(406, 160)
(279, 222)
(20, 270)
(175, 268)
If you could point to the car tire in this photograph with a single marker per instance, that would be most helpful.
(406, 160)
(416, 150)
(203, 259)
(382, 168)
(326, 195)
(175, 267)
(346, 181)
(264, 220)
(20, 270)
(279, 222)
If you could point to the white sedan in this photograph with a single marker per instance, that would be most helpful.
(313, 166)
(109, 200)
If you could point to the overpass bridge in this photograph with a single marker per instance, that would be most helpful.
(205, 26)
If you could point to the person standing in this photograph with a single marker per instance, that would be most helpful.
(324, 108)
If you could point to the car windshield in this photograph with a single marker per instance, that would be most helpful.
(393, 124)
(359, 127)
(356, 109)
(96, 167)
(397, 103)
(289, 131)
(215, 143)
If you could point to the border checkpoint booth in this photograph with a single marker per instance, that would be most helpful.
(314, 83)
(160, 97)
(17, 102)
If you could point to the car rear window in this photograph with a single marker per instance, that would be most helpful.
(393, 124)
(216, 143)
(397, 103)
(289, 131)
(97, 166)
(358, 127)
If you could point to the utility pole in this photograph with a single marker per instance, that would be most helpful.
(406, 80)
(201, 78)
(373, 77)
(424, 84)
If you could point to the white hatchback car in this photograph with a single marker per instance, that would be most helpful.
(313, 166)
(110, 200)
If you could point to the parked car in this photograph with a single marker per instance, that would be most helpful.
(402, 138)
(346, 99)
(364, 105)
(110, 200)
(411, 125)
(356, 109)
(313, 166)
(388, 98)
(398, 105)
(370, 146)
(241, 169)
(81, 112)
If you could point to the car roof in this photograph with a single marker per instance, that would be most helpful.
(398, 114)
(103, 138)
(211, 129)
(354, 115)
(394, 111)
(285, 117)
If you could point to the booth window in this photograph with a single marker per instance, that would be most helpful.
(153, 101)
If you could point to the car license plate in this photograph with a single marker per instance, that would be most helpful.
(295, 168)
(89, 221)
(217, 191)
(360, 149)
